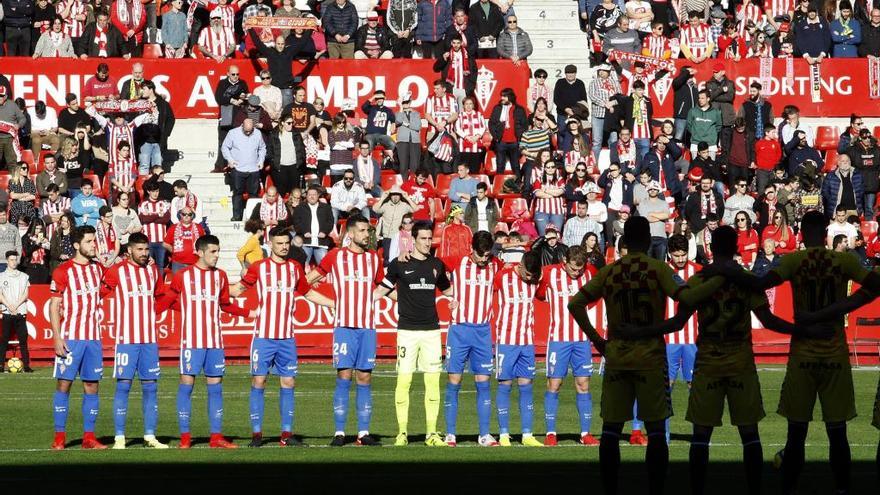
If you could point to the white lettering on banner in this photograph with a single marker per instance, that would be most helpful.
(419, 92)
(313, 316)
(797, 86)
(356, 88)
(202, 91)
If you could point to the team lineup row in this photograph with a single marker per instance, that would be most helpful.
(634, 289)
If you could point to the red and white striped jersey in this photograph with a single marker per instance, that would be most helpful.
(470, 124)
(697, 38)
(79, 288)
(200, 294)
(515, 321)
(641, 125)
(277, 286)
(353, 276)
(776, 8)
(216, 43)
(155, 231)
(555, 205)
(441, 108)
(657, 46)
(557, 287)
(472, 287)
(573, 157)
(748, 12)
(57, 207)
(457, 68)
(134, 289)
(124, 172)
(71, 26)
(688, 334)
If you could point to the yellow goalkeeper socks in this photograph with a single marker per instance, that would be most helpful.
(401, 399)
(432, 401)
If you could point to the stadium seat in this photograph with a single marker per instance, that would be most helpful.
(443, 183)
(139, 184)
(27, 156)
(152, 50)
(325, 182)
(511, 207)
(498, 186)
(827, 137)
(4, 180)
(489, 164)
(439, 209)
(389, 181)
(97, 188)
(877, 132)
(269, 182)
(830, 161)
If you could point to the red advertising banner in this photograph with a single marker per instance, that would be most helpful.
(314, 328)
(844, 86)
(189, 84)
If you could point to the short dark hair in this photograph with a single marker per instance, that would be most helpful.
(677, 242)
(52, 188)
(354, 220)
(151, 186)
(712, 217)
(423, 172)
(838, 239)
(76, 236)
(638, 84)
(138, 238)
(482, 186)
(71, 97)
(540, 73)
(180, 183)
(86, 182)
(420, 226)
(123, 144)
(637, 232)
(853, 118)
(253, 225)
(532, 263)
(206, 240)
(11, 252)
(104, 210)
(482, 242)
(48, 155)
(756, 85)
(279, 231)
(724, 241)
(840, 208)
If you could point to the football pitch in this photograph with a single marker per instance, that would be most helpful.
(26, 433)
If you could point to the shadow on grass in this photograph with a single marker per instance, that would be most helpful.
(410, 477)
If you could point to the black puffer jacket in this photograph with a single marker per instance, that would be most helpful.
(867, 161)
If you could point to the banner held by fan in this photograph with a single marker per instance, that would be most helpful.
(281, 23)
(12, 130)
(873, 77)
(815, 84)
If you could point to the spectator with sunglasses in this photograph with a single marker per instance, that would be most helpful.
(739, 201)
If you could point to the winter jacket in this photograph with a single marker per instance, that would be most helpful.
(441, 65)
(523, 44)
(797, 156)
(685, 95)
(653, 162)
(302, 221)
(549, 255)
(605, 183)
(867, 162)
(401, 16)
(704, 125)
(831, 191)
(520, 122)
(339, 20)
(845, 45)
(434, 18)
(45, 48)
(693, 209)
(484, 25)
(870, 41)
(472, 216)
(86, 43)
(383, 38)
(749, 113)
(626, 111)
(722, 100)
(455, 241)
(812, 38)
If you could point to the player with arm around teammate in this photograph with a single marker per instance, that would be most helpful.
(278, 281)
(75, 289)
(134, 284)
(200, 291)
(567, 346)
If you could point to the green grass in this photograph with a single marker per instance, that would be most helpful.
(26, 433)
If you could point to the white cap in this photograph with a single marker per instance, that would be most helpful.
(591, 187)
(347, 105)
(653, 185)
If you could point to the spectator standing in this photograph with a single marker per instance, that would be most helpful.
(215, 40)
(285, 173)
(101, 39)
(10, 236)
(44, 128)
(656, 210)
(393, 207)
(154, 215)
(54, 43)
(721, 92)
(660, 162)
(768, 154)
(757, 113)
(372, 41)
(637, 111)
(347, 196)
(603, 18)
(846, 32)
(870, 45)
(843, 187)
(685, 97)
(151, 137)
(602, 89)
(695, 40)
(175, 33)
(75, 14)
(35, 253)
(380, 123)
(270, 96)
(14, 288)
(513, 42)
(507, 124)
(304, 122)
(230, 93)
(801, 154)
(864, 155)
(313, 220)
(433, 19)
(17, 19)
(812, 37)
(409, 148)
(549, 190)
(41, 20)
(180, 240)
(640, 15)
(401, 19)
(339, 19)
(457, 68)
(470, 126)
(622, 38)
(461, 27)
(488, 21)
(130, 18)
(9, 112)
(481, 213)
(704, 123)
(245, 152)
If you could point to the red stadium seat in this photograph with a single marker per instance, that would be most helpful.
(489, 163)
(498, 186)
(511, 208)
(152, 50)
(325, 182)
(443, 183)
(389, 181)
(877, 132)
(830, 161)
(269, 182)
(827, 137)
(97, 187)
(27, 156)
(4, 180)
(439, 209)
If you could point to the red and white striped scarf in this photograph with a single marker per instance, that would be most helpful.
(106, 240)
(129, 12)
(9, 128)
(178, 236)
(272, 212)
(191, 12)
(458, 68)
(101, 41)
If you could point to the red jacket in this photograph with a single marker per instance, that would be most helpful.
(768, 153)
(455, 241)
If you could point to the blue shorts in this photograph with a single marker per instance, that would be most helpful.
(143, 358)
(84, 359)
(276, 355)
(466, 341)
(562, 355)
(211, 362)
(514, 361)
(681, 357)
(354, 348)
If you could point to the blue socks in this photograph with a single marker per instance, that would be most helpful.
(184, 406)
(484, 406)
(257, 404)
(452, 407)
(551, 405)
(364, 398)
(120, 405)
(526, 407)
(150, 407)
(340, 403)
(585, 410)
(90, 412)
(637, 425)
(60, 403)
(215, 407)
(287, 406)
(502, 403)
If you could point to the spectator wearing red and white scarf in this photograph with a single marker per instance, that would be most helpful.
(215, 41)
(271, 211)
(180, 241)
(184, 198)
(74, 13)
(130, 18)
(123, 171)
(457, 68)
(105, 238)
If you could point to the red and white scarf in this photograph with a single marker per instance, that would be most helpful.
(106, 240)
(9, 128)
(101, 41)
(458, 68)
(191, 201)
(272, 212)
(129, 12)
(181, 229)
(707, 243)
(709, 206)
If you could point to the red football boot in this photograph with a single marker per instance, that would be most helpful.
(550, 440)
(91, 443)
(637, 438)
(218, 442)
(588, 439)
(60, 440)
(185, 441)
